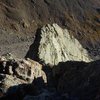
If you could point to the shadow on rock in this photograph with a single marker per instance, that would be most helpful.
(18, 92)
(33, 50)
(78, 79)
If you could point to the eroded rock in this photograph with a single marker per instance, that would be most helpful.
(29, 69)
(57, 45)
(14, 72)
(10, 81)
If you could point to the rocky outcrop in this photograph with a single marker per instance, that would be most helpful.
(45, 95)
(79, 80)
(82, 18)
(71, 80)
(29, 69)
(14, 72)
(57, 45)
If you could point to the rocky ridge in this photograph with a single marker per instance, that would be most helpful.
(57, 45)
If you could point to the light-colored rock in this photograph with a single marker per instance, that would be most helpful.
(10, 81)
(57, 45)
(29, 69)
(14, 72)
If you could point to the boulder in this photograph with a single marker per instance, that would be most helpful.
(57, 45)
(19, 71)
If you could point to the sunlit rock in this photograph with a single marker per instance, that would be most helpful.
(57, 45)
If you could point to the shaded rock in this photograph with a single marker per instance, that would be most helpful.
(18, 92)
(57, 45)
(78, 79)
(1, 93)
(74, 80)
(45, 95)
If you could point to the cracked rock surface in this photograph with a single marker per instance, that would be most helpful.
(57, 45)
(14, 71)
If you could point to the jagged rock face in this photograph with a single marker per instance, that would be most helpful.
(57, 45)
(14, 72)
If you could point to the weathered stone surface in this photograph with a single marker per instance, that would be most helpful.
(14, 72)
(45, 95)
(57, 45)
(10, 81)
(29, 69)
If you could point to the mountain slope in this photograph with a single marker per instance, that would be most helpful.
(80, 17)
